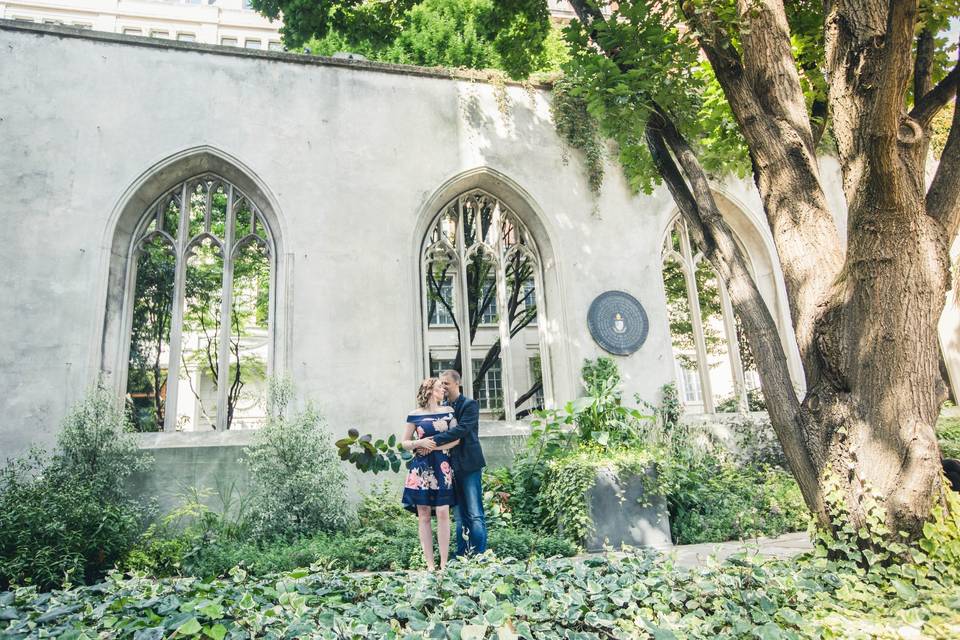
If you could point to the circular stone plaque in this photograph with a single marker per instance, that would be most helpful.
(618, 322)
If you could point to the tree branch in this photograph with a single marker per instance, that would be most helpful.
(768, 63)
(715, 239)
(894, 70)
(943, 197)
(927, 107)
(923, 65)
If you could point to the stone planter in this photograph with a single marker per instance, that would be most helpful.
(623, 513)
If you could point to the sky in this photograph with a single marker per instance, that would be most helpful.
(954, 31)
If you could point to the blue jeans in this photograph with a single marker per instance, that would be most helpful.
(469, 513)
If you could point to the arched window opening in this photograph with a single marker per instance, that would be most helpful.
(202, 269)
(481, 279)
(714, 367)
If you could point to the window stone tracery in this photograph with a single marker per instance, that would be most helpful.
(202, 269)
(481, 285)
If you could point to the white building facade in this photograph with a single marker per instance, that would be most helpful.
(226, 22)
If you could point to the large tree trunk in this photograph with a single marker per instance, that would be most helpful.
(872, 357)
(877, 335)
(861, 442)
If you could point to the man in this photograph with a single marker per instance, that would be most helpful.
(468, 464)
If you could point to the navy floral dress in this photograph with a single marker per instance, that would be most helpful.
(430, 477)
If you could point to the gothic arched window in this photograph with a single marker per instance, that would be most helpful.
(482, 287)
(200, 310)
(713, 364)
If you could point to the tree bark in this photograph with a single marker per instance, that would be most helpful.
(878, 333)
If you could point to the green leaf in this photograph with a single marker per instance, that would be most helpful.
(212, 610)
(906, 591)
(217, 631)
(189, 628)
(473, 632)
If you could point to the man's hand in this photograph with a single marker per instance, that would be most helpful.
(428, 444)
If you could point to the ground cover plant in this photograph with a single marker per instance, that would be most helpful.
(835, 592)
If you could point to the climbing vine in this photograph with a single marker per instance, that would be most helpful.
(579, 129)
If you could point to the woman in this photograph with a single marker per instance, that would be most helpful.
(429, 485)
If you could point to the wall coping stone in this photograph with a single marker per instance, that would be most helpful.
(190, 439)
(443, 73)
(244, 437)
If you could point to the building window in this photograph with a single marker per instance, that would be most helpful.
(441, 304)
(130, 31)
(186, 37)
(689, 386)
(228, 42)
(535, 387)
(714, 362)
(488, 302)
(159, 33)
(273, 45)
(488, 386)
(201, 320)
(438, 366)
(480, 274)
(251, 44)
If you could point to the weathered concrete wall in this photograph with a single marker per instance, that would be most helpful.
(348, 156)
(214, 463)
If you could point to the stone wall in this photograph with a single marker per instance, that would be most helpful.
(351, 158)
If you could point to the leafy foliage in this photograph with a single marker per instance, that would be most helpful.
(948, 432)
(623, 595)
(713, 500)
(298, 484)
(579, 129)
(513, 36)
(384, 538)
(755, 402)
(712, 495)
(68, 516)
(370, 455)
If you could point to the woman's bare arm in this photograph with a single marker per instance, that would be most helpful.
(406, 441)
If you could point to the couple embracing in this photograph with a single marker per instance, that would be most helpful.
(447, 468)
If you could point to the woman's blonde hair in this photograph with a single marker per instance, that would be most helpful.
(426, 388)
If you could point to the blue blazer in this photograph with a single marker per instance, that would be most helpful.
(468, 455)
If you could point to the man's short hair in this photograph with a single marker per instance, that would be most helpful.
(452, 374)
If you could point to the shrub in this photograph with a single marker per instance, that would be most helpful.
(600, 416)
(713, 500)
(299, 487)
(731, 404)
(521, 544)
(69, 516)
(948, 432)
(756, 443)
